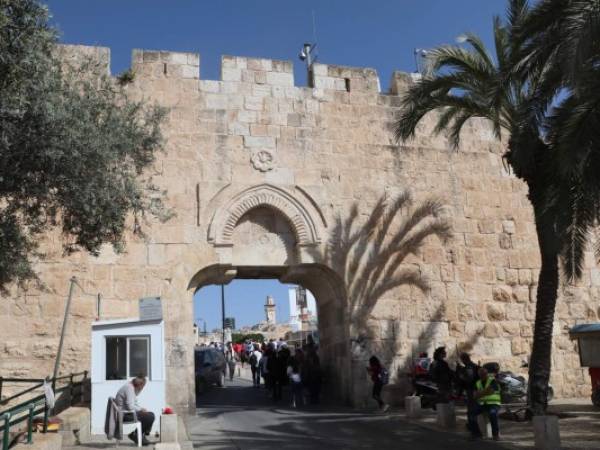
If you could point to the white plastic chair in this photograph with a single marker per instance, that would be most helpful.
(132, 424)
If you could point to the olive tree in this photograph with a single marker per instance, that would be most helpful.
(73, 146)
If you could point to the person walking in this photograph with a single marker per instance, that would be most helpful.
(467, 375)
(296, 383)
(441, 374)
(275, 369)
(377, 373)
(230, 358)
(262, 367)
(255, 358)
(312, 369)
(487, 395)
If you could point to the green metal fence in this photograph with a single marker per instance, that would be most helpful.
(14, 415)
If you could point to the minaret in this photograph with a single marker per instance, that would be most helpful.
(270, 310)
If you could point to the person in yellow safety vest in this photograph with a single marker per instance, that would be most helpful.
(487, 394)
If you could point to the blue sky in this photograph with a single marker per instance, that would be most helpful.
(377, 34)
(244, 300)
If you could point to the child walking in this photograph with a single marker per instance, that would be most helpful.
(379, 376)
(296, 384)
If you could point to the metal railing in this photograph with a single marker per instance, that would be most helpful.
(37, 405)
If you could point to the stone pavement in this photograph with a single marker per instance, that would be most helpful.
(240, 417)
(579, 425)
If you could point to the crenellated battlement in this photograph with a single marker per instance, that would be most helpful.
(156, 64)
(185, 65)
(257, 70)
(343, 78)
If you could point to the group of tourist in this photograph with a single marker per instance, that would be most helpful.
(275, 366)
(482, 391)
(215, 345)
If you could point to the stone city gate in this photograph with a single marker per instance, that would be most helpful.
(257, 170)
(265, 231)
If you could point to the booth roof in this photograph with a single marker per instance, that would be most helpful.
(585, 329)
(131, 320)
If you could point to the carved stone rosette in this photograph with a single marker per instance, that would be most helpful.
(262, 160)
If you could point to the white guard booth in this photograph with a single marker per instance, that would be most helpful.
(122, 349)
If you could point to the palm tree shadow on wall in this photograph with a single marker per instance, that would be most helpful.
(372, 254)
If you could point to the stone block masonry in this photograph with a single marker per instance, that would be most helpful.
(257, 170)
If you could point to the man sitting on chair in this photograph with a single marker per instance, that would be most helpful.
(126, 399)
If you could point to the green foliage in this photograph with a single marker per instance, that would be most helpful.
(126, 77)
(562, 41)
(465, 82)
(542, 90)
(240, 338)
(73, 146)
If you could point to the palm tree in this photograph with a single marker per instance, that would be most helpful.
(370, 256)
(560, 41)
(532, 93)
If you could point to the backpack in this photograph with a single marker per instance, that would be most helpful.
(253, 360)
(384, 376)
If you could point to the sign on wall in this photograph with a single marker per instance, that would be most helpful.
(150, 308)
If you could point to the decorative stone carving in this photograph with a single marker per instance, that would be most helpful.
(262, 160)
(226, 218)
(263, 236)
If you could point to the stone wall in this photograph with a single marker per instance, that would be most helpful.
(254, 144)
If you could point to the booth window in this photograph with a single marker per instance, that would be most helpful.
(127, 357)
(588, 351)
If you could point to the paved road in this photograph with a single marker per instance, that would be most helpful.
(240, 417)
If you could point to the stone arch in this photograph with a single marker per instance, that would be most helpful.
(305, 227)
(331, 298)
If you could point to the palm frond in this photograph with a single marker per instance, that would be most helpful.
(452, 57)
(516, 12)
(578, 216)
(574, 130)
(464, 83)
(479, 47)
(501, 43)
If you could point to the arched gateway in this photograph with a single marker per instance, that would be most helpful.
(265, 231)
(263, 177)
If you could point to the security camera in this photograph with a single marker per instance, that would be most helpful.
(302, 55)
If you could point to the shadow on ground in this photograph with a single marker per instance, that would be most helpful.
(241, 417)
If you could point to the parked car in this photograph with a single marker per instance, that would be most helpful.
(209, 366)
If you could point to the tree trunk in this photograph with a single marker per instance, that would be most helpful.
(547, 293)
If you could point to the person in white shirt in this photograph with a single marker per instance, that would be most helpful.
(263, 369)
(231, 359)
(127, 400)
(255, 358)
(293, 372)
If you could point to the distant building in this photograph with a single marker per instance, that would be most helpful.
(303, 309)
(230, 323)
(270, 310)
